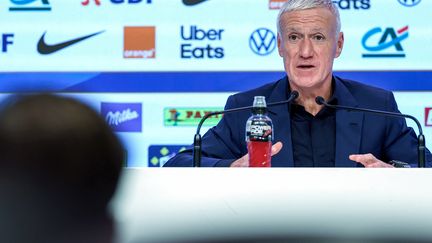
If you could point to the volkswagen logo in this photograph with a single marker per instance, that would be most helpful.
(409, 3)
(262, 41)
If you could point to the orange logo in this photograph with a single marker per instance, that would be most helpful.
(139, 42)
(276, 4)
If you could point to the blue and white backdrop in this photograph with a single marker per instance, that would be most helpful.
(154, 67)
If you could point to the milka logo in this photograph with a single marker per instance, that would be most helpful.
(123, 117)
(116, 118)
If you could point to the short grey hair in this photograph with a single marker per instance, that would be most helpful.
(294, 5)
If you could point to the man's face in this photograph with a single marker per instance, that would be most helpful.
(308, 44)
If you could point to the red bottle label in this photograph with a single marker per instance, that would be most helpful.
(259, 153)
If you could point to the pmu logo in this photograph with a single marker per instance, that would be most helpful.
(123, 117)
(139, 42)
(189, 116)
(262, 41)
(6, 41)
(30, 5)
(428, 116)
(409, 3)
(199, 43)
(276, 4)
(384, 43)
(158, 155)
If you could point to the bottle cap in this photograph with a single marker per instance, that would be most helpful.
(259, 105)
(259, 102)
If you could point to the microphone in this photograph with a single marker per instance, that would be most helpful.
(421, 148)
(197, 138)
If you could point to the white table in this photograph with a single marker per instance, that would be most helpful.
(204, 203)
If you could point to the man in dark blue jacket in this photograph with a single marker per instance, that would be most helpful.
(310, 135)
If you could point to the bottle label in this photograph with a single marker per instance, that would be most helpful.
(259, 130)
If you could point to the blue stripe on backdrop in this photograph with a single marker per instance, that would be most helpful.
(190, 81)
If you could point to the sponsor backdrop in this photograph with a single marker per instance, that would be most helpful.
(153, 68)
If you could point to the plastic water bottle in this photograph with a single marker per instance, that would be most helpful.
(259, 134)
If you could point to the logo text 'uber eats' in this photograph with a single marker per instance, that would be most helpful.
(201, 43)
(353, 4)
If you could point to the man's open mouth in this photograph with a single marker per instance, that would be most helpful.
(305, 66)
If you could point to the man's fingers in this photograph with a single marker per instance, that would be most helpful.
(276, 148)
(364, 159)
(369, 161)
(242, 162)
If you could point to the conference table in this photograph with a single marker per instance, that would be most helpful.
(273, 205)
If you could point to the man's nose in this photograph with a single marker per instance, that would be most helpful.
(306, 48)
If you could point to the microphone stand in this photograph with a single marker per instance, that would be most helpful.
(421, 148)
(197, 138)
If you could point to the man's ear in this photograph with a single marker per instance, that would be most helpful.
(340, 43)
(279, 44)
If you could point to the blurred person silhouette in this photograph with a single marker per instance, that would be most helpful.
(59, 167)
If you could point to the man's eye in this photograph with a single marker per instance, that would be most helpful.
(293, 37)
(319, 37)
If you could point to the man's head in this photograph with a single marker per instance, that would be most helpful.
(309, 39)
(60, 146)
(59, 167)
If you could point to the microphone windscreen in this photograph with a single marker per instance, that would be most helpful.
(295, 94)
(320, 100)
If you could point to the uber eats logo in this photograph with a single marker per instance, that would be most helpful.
(201, 43)
(353, 4)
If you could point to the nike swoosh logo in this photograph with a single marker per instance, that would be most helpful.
(192, 2)
(44, 48)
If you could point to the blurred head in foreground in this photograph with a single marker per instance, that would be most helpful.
(59, 167)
